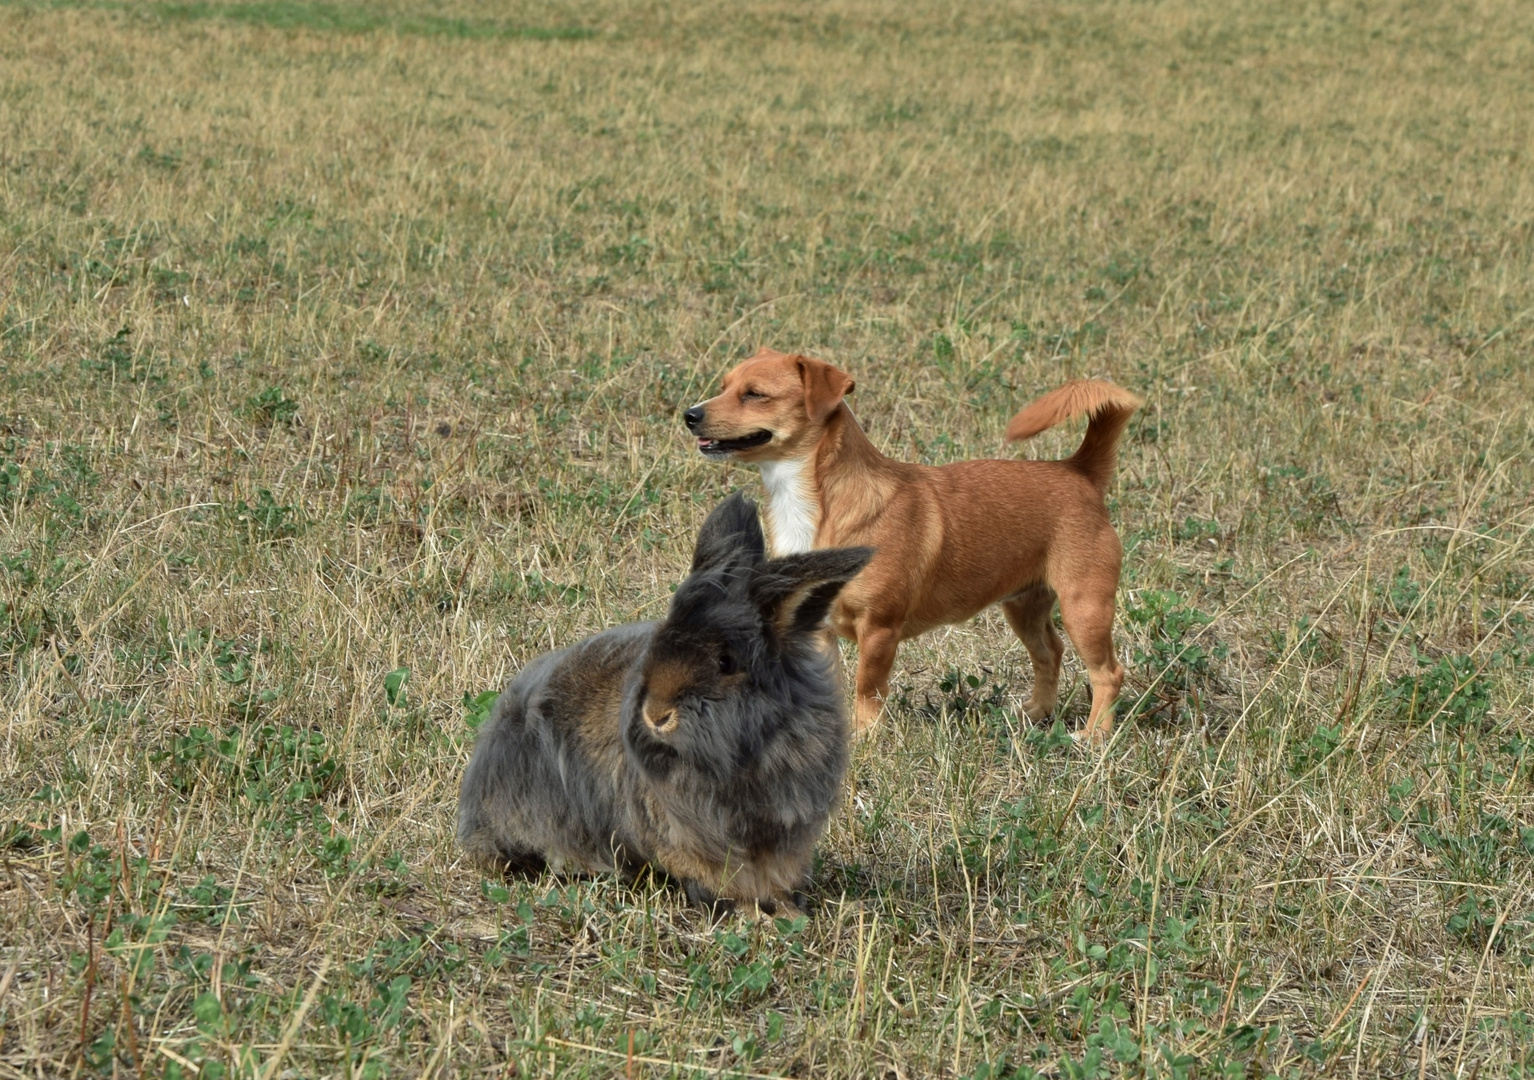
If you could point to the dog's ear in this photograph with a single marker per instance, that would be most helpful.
(731, 533)
(824, 387)
(794, 593)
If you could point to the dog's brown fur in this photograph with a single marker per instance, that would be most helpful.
(951, 540)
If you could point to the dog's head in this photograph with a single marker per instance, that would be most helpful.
(772, 406)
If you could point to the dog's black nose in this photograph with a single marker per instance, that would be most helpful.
(693, 417)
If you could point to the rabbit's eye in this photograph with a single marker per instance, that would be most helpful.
(727, 664)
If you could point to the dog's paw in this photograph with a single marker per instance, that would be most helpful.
(1035, 712)
(1088, 739)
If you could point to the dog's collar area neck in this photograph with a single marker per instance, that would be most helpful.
(793, 506)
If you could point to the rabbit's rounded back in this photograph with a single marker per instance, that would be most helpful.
(541, 783)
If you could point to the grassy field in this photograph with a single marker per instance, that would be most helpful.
(341, 350)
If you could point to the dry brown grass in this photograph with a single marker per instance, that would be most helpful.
(340, 341)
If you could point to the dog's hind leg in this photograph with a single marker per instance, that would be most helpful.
(1088, 618)
(1029, 614)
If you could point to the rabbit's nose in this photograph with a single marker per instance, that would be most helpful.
(693, 417)
(662, 722)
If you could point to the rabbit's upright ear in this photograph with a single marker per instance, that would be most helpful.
(731, 534)
(795, 592)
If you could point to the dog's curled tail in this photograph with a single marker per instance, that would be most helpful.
(1108, 407)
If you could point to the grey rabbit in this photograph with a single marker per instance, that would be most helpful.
(711, 744)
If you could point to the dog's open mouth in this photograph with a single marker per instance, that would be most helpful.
(721, 447)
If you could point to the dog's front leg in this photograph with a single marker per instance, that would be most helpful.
(876, 655)
(1028, 613)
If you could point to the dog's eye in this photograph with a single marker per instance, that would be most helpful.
(753, 395)
(727, 664)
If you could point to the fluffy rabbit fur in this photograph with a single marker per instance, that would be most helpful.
(711, 745)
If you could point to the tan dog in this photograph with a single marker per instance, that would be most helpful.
(951, 540)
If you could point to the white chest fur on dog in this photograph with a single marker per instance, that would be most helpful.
(793, 511)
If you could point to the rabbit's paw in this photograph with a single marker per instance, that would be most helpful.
(771, 908)
(700, 895)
